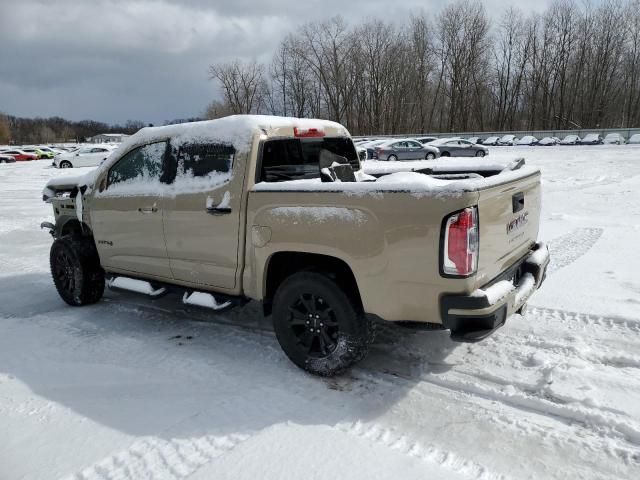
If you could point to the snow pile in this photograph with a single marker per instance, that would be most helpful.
(311, 215)
(495, 292)
(379, 167)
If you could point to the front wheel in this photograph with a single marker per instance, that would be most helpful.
(319, 327)
(76, 270)
(392, 158)
(430, 156)
(65, 164)
(445, 154)
(480, 153)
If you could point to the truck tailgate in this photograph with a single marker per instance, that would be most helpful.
(509, 219)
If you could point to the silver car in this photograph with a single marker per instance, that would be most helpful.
(457, 147)
(405, 149)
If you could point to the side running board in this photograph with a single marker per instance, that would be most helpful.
(133, 285)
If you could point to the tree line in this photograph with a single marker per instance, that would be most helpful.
(571, 66)
(21, 131)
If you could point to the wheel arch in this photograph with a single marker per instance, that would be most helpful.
(73, 226)
(281, 265)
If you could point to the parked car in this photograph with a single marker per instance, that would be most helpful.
(362, 152)
(457, 147)
(20, 155)
(6, 158)
(507, 140)
(425, 140)
(591, 139)
(324, 266)
(614, 139)
(528, 140)
(634, 139)
(548, 141)
(38, 152)
(370, 147)
(491, 141)
(83, 157)
(50, 151)
(405, 149)
(475, 140)
(570, 140)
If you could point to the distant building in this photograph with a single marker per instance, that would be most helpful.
(107, 138)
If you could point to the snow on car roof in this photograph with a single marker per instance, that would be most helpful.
(235, 129)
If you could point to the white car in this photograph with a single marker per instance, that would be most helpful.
(527, 140)
(547, 141)
(90, 156)
(508, 140)
(570, 140)
(634, 139)
(614, 139)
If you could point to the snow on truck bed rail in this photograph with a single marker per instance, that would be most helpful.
(401, 181)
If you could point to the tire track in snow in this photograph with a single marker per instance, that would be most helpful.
(154, 458)
(567, 317)
(388, 438)
(567, 248)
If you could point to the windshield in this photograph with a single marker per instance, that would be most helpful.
(294, 158)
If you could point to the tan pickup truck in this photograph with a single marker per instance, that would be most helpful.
(279, 210)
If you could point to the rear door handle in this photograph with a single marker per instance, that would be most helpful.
(218, 210)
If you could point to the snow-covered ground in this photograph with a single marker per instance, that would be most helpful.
(134, 388)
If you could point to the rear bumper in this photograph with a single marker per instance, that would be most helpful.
(472, 318)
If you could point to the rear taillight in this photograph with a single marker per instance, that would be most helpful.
(460, 248)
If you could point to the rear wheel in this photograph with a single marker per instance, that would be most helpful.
(430, 156)
(319, 327)
(76, 270)
(392, 158)
(65, 164)
(480, 153)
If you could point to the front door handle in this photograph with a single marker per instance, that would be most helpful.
(218, 210)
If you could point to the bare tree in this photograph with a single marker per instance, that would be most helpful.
(241, 84)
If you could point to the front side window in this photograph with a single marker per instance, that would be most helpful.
(142, 163)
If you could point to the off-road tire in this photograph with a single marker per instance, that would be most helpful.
(480, 153)
(392, 158)
(76, 270)
(348, 330)
(430, 156)
(66, 164)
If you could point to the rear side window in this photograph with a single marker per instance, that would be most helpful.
(143, 163)
(294, 158)
(203, 159)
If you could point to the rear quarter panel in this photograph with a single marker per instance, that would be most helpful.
(390, 240)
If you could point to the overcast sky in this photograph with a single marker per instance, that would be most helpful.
(114, 60)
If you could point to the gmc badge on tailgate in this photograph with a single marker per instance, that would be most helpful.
(517, 222)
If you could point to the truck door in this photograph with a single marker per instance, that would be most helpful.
(126, 213)
(202, 219)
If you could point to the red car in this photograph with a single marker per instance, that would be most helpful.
(19, 155)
